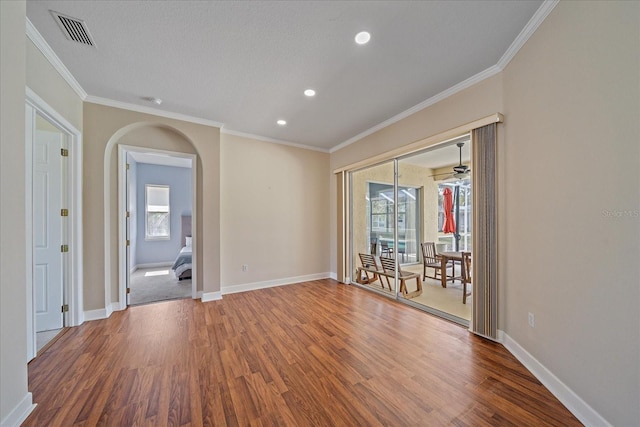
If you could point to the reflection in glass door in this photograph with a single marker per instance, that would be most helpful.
(381, 212)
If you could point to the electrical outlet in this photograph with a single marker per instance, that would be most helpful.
(532, 320)
(245, 267)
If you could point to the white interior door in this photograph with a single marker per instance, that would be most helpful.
(47, 228)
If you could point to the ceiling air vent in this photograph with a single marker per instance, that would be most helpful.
(73, 28)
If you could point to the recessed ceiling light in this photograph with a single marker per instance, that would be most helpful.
(310, 92)
(281, 122)
(363, 37)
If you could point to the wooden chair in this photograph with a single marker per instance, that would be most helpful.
(430, 259)
(373, 248)
(465, 272)
(386, 249)
(370, 266)
(389, 267)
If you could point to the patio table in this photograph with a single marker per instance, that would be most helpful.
(445, 257)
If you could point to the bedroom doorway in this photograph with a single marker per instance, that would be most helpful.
(157, 207)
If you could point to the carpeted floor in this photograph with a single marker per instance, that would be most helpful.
(157, 284)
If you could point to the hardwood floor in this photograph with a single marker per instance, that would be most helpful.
(315, 353)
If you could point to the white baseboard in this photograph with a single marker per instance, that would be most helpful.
(574, 403)
(272, 283)
(98, 314)
(19, 413)
(118, 306)
(333, 276)
(210, 296)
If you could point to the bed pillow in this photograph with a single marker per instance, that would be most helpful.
(188, 241)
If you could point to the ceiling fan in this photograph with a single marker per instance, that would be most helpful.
(460, 171)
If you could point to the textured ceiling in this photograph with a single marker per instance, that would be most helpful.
(245, 64)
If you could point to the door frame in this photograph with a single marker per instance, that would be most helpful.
(123, 271)
(73, 285)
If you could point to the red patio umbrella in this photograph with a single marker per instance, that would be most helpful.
(449, 224)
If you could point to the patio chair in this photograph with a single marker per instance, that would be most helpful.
(386, 249)
(430, 259)
(373, 248)
(465, 272)
(389, 267)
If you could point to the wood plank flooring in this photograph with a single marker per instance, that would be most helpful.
(317, 353)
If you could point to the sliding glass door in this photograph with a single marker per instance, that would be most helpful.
(397, 207)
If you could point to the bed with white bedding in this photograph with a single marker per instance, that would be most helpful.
(182, 265)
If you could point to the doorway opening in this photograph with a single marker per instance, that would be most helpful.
(53, 224)
(157, 200)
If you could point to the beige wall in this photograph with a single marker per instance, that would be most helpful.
(103, 124)
(13, 297)
(572, 151)
(569, 189)
(45, 81)
(274, 211)
(476, 102)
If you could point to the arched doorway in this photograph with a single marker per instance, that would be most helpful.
(159, 139)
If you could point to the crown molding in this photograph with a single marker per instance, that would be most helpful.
(543, 11)
(538, 18)
(491, 71)
(153, 111)
(42, 45)
(272, 140)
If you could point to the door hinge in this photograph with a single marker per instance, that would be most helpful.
(128, 290)
(64, 212)
(128, 242)
(128, 214)
(64, 248)
(127, 166)
(64, 152)
(65, 308)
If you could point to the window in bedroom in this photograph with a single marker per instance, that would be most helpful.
(157, 212)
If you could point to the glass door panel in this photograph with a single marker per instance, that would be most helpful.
(372, 227)
(429, 176)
